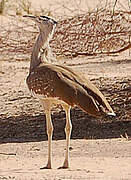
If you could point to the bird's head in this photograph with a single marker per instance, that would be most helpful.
(45, 24)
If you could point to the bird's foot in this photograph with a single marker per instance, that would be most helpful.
(48, 166)
(65, 165)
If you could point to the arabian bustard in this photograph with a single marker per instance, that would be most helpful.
(58, 84)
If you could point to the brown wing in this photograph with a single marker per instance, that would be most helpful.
(69, 86)
(89, 87)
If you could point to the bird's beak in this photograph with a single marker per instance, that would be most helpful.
(34, 18)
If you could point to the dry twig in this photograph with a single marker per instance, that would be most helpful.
(90, 33)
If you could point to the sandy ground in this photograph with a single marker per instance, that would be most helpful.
(90, 159)
(97, 150)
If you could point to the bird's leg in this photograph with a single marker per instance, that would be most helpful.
(49, 126)
(68, 129)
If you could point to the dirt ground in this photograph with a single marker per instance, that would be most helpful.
(100, 148)
(97, 151)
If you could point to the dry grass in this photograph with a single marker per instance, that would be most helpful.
(2, 6)
(92, 33)
(18, 6)
(103, 31)
(127, 138)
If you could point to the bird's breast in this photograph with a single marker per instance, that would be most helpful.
(40, 84)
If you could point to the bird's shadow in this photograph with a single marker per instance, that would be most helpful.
(27, 128)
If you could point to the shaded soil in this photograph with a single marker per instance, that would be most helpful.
(96, 146)
(22, 117)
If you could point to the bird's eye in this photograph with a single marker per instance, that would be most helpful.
(44, 20)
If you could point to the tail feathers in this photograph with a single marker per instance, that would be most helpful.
(91, 106)
(87, 103)
(99, 100)
(111, 114)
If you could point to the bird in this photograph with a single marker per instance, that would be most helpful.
(55, 83)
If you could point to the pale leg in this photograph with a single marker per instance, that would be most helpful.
(68, 129)
(49, 126)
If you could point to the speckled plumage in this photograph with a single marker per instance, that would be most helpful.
(65, 84)
(59, 84)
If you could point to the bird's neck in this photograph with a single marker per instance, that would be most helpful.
(39, 52)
